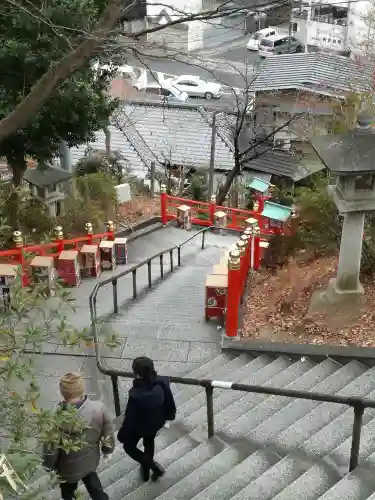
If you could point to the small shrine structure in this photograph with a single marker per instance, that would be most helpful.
(350, 159)
(46, 184)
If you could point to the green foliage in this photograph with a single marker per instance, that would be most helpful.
(33, 321)
(198, 189)
(319, 227)
(97, 161)
(29, 44)
(95, 201)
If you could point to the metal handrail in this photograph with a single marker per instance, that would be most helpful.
(358, 404)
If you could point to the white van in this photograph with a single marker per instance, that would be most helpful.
(279, 44)
(253, 43)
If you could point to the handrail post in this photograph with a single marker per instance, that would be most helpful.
(149, 273)
(241, 245)
(171, 259)
(116, 395)
(212, 209)
(179, 255)
(110, 230)
(256, 248)
(115, 297)
(203, 239)
(163, 204)
(134, 273)
(356, 436)
(90, 232)
(210, 411)
(245, 240)
(161, 258)
(233, 293)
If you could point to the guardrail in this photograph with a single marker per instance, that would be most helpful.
(358, 404)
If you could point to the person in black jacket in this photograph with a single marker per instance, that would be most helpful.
(150, 405)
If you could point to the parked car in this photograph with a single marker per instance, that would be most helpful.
(195, 86)
(253, 43)
(166, 92)
(279, 44)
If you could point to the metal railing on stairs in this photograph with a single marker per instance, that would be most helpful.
(124, 124)
(358, 404)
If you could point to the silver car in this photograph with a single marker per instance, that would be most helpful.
(279, 44)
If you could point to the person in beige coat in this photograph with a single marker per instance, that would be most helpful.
(97, 436)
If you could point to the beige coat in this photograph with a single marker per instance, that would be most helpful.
(75, 465)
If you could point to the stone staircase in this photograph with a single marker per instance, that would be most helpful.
(265, 447)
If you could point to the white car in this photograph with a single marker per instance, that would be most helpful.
(195, 86)
(253, 43)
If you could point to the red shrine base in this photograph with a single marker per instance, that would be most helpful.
(279, 309)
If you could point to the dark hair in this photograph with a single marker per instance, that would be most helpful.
(144, 367)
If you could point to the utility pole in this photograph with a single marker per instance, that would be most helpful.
(307, 26)
(290, 26)
(212, 157)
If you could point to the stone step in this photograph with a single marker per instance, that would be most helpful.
(206, 370)
(120, 465)
(177, 471)
(166, 457)
(226, 398)
(269, 370)
(358, 485)
(276, 414)
(310, 485)
(239, 477)
(205, 474)
(236, 414)
(220, 373)
(274, 480)
(326, 413)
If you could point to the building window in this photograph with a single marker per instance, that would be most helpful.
(364, 183)
(40, 192)
(58, 208)
(330, 14)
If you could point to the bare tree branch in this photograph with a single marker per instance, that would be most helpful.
(62, 70)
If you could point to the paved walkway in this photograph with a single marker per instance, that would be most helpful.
(166, 322)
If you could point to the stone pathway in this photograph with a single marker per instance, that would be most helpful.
(165, 322)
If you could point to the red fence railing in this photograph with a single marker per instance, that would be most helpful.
(23, 254)
(203, 214)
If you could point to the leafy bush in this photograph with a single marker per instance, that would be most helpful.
(95, 202)
(32, 321)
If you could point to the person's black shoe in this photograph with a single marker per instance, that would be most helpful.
(157, 472)
(145, 473)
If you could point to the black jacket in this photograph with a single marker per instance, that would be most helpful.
(150, 405)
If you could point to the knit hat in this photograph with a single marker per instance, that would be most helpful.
(72, 386)
(144, 367)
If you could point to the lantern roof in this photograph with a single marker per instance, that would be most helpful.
(276, 212)
(258, 185)
(350, 153)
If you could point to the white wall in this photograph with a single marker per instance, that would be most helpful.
(327, 36)
(175, 8)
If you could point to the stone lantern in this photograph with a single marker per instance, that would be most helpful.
(350, 158)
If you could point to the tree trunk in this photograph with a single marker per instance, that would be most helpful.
(107, 134)
(18, 166)
(224, 190)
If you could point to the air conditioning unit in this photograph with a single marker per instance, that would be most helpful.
(284, 144)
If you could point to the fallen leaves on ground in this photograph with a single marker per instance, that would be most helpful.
(277, 308)
(138, 210)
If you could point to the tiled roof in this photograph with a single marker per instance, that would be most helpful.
(178, 134)
(317, 72)
(275, 162)
(182, 134)
(118, 143)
